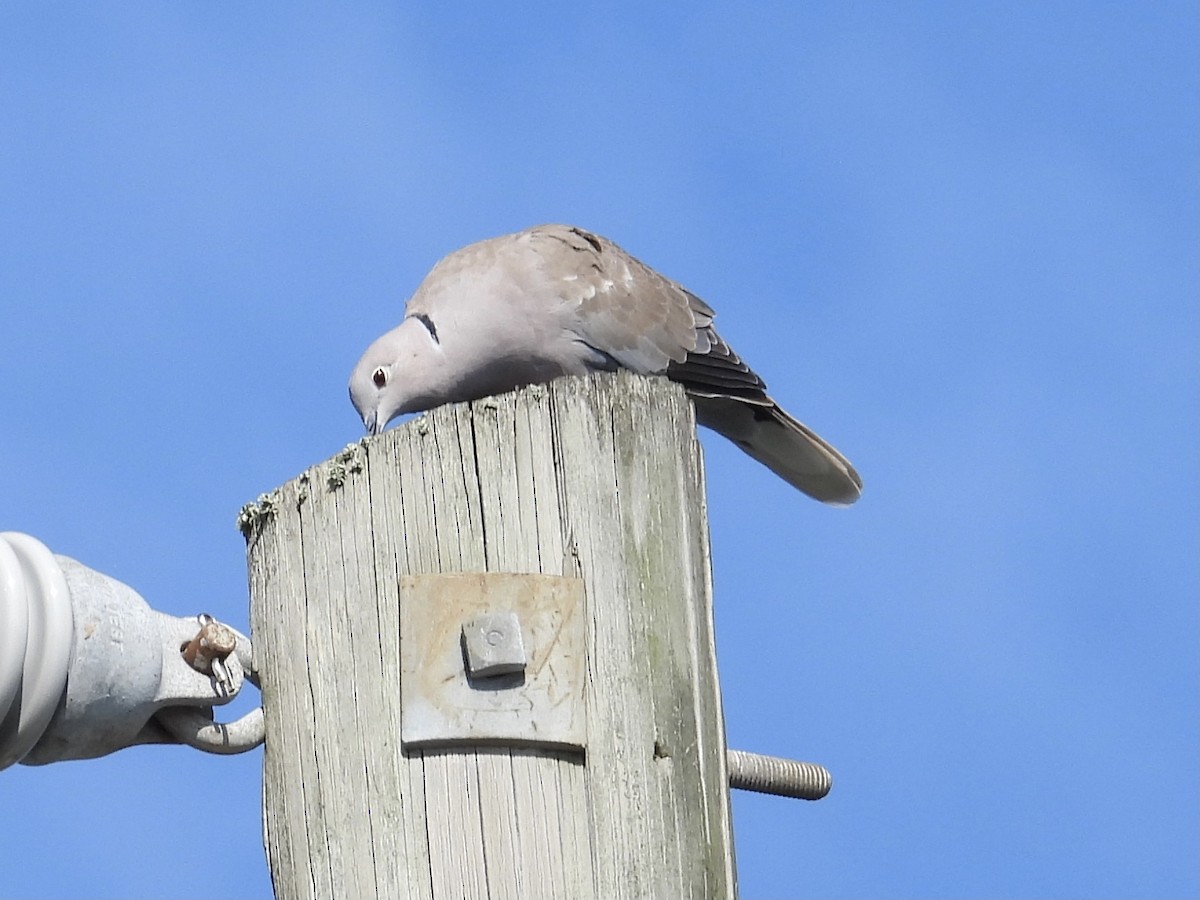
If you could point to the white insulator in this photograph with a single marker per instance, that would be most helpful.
(36, 633)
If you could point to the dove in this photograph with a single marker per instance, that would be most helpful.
(555, 300)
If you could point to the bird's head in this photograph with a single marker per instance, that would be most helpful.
(397, 374)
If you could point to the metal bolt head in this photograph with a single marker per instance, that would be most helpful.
(493, 645)
(214, 642)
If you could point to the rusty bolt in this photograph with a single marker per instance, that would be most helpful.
(213, 643)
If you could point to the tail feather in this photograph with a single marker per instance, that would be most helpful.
(788, 448)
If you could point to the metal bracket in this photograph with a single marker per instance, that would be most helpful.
(492, 657)
(87, 667)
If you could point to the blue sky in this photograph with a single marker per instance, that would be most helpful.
(959, 240)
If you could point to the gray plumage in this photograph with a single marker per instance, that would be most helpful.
(556, 300)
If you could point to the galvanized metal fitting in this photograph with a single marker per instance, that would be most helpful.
(87, 667)
(779, 776)
(492, 644)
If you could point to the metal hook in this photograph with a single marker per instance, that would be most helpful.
(195, 727)
(209, 652)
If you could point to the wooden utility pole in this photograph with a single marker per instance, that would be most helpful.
(434, 732)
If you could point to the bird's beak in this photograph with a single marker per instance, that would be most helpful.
(370, 420)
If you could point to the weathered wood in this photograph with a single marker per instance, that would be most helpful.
(596, 478)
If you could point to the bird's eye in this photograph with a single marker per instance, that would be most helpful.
(379, 376)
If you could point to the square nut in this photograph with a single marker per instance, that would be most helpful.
(493, 644)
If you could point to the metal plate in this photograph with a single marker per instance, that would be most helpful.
(542, 706)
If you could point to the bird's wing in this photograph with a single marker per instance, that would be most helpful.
(653, 325)
(643, 320)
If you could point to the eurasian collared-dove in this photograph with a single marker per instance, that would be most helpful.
(556, 300)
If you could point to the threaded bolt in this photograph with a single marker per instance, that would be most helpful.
(775, 775)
